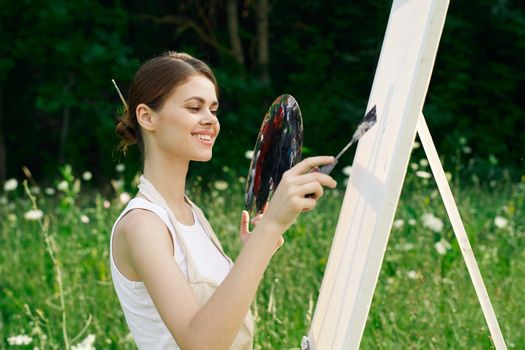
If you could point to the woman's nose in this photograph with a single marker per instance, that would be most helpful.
(210, 118)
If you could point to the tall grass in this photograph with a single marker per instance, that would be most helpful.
(56, 288)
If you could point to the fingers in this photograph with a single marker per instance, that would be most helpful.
(307, 204)
(313, 188)
(245, 217)
(308, 163)
(256, 219)
(289, 197)
(323, 179)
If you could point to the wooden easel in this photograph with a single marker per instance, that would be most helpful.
(378, 171)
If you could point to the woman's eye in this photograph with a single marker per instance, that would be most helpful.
(214, 113)
(194, 109)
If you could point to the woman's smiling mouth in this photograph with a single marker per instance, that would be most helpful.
(205, 139)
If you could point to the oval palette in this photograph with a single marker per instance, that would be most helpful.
(277, 149)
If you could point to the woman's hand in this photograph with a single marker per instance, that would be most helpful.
(289, 199)
(244, 229)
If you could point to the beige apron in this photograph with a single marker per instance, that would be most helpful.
(202, 287)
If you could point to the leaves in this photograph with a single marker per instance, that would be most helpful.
(61, 55)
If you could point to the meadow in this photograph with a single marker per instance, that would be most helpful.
(56, 290)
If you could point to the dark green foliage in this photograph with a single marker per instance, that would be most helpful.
(57, 59)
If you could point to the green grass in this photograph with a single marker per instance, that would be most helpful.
(423, 300)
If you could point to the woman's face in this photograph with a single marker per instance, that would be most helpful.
(187, 124)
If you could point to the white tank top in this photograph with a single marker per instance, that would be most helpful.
(143, 319)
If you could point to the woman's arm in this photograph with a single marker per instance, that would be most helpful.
(216, 323)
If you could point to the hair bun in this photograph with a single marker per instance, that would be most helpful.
(126, 131)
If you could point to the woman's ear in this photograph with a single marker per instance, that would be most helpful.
(145, 117)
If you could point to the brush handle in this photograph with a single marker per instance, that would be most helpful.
(326, 169)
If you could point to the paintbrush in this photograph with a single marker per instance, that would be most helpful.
(368, 121)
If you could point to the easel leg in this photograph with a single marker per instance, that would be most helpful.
(459, 230)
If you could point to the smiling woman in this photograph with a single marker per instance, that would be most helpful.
(154, 84)
(177, 287)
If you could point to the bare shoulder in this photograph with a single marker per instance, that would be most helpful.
(138, 217)
(141, 229)
(138, 233)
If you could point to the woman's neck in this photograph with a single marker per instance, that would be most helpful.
(168, 176)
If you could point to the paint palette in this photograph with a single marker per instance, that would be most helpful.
(277, 149)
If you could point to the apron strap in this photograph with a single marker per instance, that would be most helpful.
(147, 189)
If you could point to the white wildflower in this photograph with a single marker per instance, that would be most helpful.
(432, 222)
(500, 222)
(86, 175)
(347, 170)
(120, 167)
(124, 197)
(35, 190)
(412, 275)
(467, 149)
(442, 246)
(33, 214)
(414, 166)
(398, 223)
(10, 185)
(412, 222)
(242, 179)
(84, 219)
(20, 340)
(118, 183)
(416, 145)
(49, 191)
(63, 186)
(106, 204)
(221, 185)
(248, 154)
(423, 174)
(423, 162)
(11, 217)
(86, 344)
(405, 247)
(448, 175)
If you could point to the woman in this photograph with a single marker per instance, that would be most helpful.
(176, 286)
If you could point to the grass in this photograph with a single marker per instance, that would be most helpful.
(56, 283)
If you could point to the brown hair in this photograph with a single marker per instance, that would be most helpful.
(154, 81)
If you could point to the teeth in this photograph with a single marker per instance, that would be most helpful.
(204, 137)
